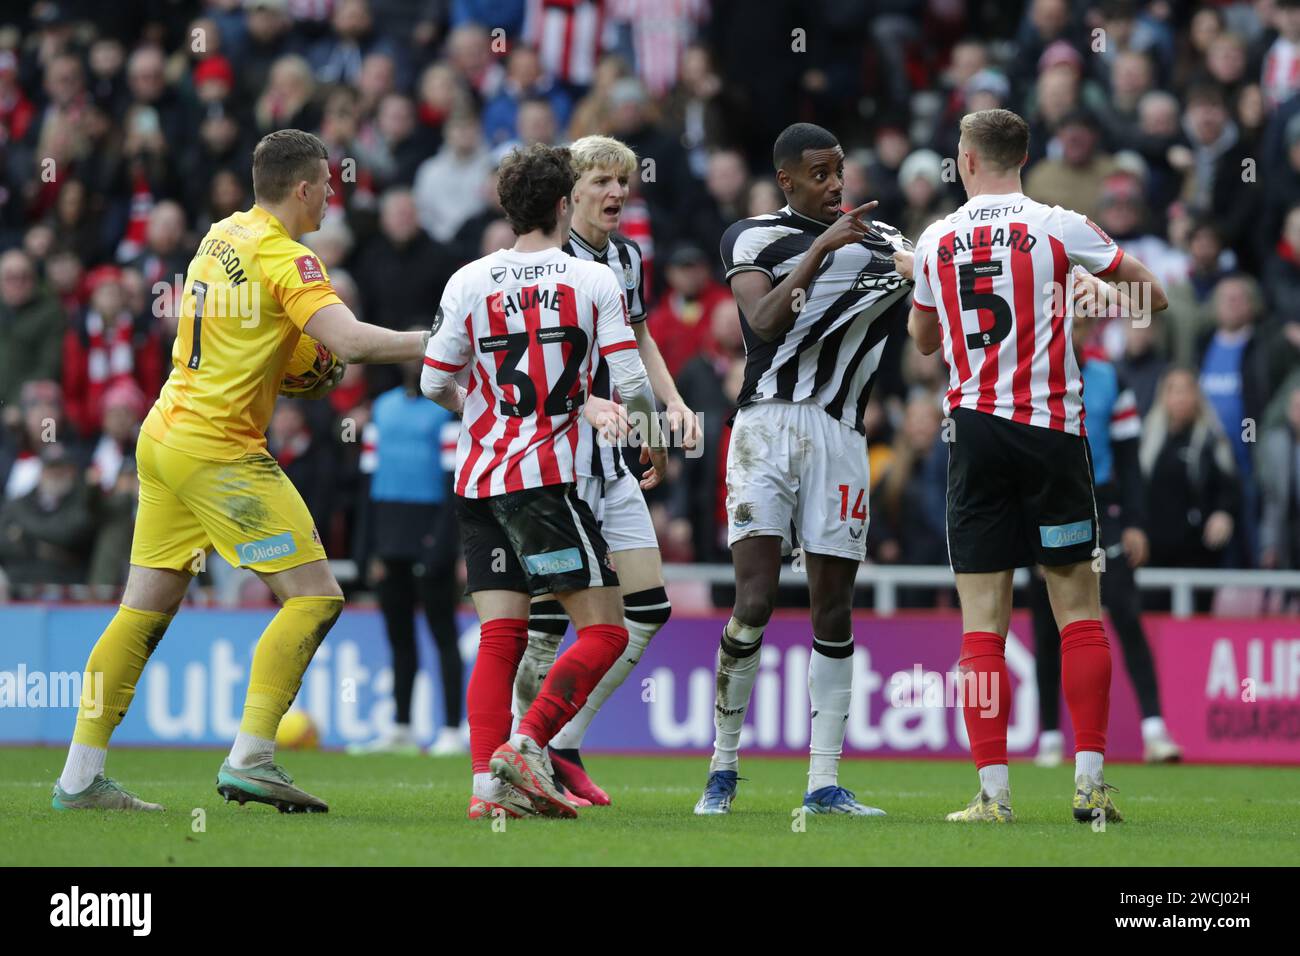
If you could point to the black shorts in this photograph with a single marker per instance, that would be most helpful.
(538, 541)
(1017, 495)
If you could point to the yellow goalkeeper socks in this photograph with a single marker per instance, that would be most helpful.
(283, 652)
(114, 666)
(108, 686)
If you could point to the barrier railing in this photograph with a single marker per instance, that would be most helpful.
(886, 579)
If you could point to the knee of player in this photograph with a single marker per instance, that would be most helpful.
(547, 622)
(754, 608)
(648, 610)
(832, 623)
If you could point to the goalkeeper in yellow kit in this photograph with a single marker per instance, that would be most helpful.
(206, 479)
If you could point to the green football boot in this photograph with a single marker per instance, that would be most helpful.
(102, 794)
(266, 783)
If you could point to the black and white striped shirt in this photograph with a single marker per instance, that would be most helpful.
(831, 353)
(624, 257)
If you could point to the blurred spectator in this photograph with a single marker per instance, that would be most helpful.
(524, 80)
(159, 113)
(1057, 94)
(1193, 487)
(268, 38)
(591, 111)
(45, 535)
(1073, 179)
(16, 110)
(447, 186)
(1280, 77)
(305, 458)
(1279, 471)
(1046, 22)
(31, 328)
(397, 144)
(469, 50)
(709, 383)
(701, 110)
(338, 58)
(30, 425)
(1132, 76)
(106, 344)
(75, 221)
(765, 198)
(469, 237)
(112, 473)
(665, 183)
(1282, 272)
(921, 179)
(165, 254)
(908, 524)
(1211, 136)
(536, 123)
(286, 100)
(680, 320)
(1158, 132)
(1191, 312)
(725, 201)
(441, 94)
(402, 274)
(1141, 364)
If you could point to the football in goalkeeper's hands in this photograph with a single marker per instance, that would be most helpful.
(311, 365)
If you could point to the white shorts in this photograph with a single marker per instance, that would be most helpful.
(620, 510)
(792, 464)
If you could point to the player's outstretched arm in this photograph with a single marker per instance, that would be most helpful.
(680, 417)
(628, 374)
(772, 310)
(1130, 288)
(355, 341)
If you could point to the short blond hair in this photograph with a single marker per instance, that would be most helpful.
(601, 152)
(1001, 137)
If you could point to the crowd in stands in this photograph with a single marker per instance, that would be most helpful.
(127, 128)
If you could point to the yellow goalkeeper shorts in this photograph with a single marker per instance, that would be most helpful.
(247, 509)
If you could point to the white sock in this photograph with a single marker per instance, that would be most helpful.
(1051, 738)
(539, 656)
(830, 687)
(638, 638)
(1087, 763)
(249, 751)
(485, 786)
(1153, 728)
(83, 764)
(995, 778)
(738, 658)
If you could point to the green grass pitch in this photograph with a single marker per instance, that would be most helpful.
(395, 810)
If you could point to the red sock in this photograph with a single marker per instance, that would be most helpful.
(1085, 676)
(571, 679)
(985, 687)
(501, 646)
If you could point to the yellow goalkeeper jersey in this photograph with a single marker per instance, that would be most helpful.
(249, 291)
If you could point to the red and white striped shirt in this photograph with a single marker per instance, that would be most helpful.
(1280, 77)
(524, 326)
(570, 36)
(998, 274)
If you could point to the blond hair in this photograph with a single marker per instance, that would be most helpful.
(601, 152)
(999, 136)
